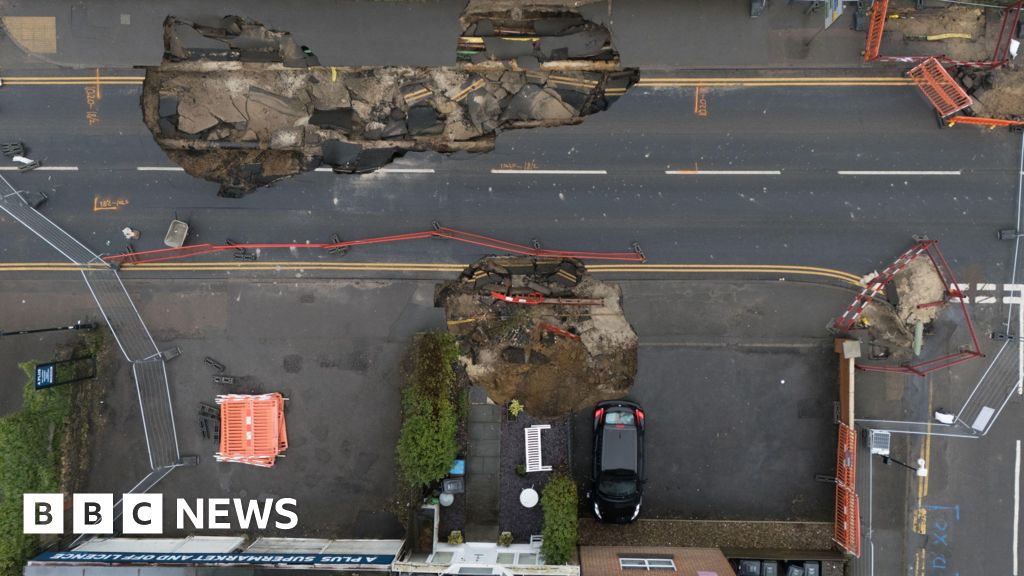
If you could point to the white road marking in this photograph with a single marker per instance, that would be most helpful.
(899, 172)
(985, 300)
(1012, 300)
(386, 170)
(1016, 507)
(985, 286)
(1013, 287)
(46, 168)
(590, 172)
(724, 172)
(160, 168)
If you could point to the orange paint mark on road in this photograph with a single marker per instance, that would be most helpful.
(100, 204)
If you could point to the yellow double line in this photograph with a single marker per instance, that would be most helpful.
(768, 82)
(72, 80)
(627, 268)
(648, 82)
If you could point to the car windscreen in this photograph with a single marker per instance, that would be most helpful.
(617, 485)
(625, 418)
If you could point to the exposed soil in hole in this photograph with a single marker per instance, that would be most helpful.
(914, 27)
(553, 357)
(916, 294)
(997, 94)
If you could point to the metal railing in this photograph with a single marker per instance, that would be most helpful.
(126, 325)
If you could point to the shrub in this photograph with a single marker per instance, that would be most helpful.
(560, 514)
(426, 443)
(521, 469)
(505, 539)
(515, 408)
(31, 441)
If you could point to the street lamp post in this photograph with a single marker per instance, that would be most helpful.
(921, 471)
(76, 326)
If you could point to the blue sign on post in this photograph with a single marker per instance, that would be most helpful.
(44, 375)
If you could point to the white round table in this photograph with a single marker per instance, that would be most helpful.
(528, 498)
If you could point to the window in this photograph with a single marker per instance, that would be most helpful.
(647, 564)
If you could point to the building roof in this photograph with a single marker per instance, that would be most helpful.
(605, 561)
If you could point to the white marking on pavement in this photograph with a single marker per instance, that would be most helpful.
(47, 168)
(1013, 300)
(984, 299)
(590, 172)
(160, 168)
(724, 172)
(899, 172)
(1013, 287)
(1016, 507)
(985, 286)
(386, 170)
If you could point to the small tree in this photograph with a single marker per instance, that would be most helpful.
(560, 516)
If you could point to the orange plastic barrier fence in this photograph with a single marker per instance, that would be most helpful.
(252, 428)
(939, 87)
(990, 122)
(875, 29)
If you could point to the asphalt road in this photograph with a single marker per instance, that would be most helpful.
(787, 199)
(858, 222)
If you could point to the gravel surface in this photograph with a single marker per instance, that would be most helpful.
(512, 516)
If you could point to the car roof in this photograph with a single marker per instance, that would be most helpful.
(619, 448)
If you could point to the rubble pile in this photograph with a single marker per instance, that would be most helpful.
(531, 35)
(994, 94)
(242, 105)
(916, 294)
(569, 348)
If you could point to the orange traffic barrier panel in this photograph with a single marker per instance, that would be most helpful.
(252, 428)
(875, 29)
(945, 94)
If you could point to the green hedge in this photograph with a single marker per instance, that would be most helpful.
(426, 444)
(560, 515)
(29, 462)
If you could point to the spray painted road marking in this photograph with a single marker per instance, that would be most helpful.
(898, 172)
(724, 172)
(539, 171)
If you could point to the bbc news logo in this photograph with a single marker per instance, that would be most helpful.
(144, 514)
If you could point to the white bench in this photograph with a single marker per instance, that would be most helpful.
(533, 448)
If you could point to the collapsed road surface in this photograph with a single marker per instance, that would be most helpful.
(243, 105)
(541, 331)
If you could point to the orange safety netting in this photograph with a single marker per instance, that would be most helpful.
(252, 429)
(945, 94)
(847, 525)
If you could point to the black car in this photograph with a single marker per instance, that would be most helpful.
(618, 479)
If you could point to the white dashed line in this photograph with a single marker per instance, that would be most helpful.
(44, 168)
(985, 300)
(386, 170)
(898, 172)
(159, 168)
(724, 172)
(985, 286)
(590, 172)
